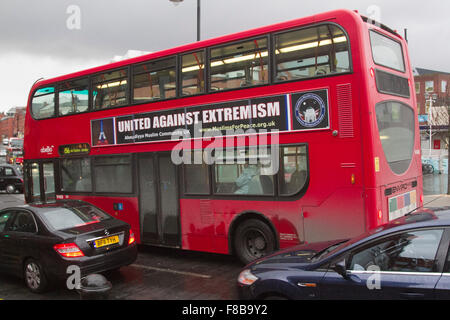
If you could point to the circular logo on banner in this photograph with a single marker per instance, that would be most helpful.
(310, 110)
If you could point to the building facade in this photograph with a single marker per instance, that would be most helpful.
(12, 123)
(434, 122)
(431, 82)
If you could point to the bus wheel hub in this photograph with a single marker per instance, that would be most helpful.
(259, 243)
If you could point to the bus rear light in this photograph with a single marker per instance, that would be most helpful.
(380, 215)
(372, 73)
(421, 199)
(353, 178)
(68, 250)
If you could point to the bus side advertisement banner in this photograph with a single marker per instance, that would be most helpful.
(299, 111)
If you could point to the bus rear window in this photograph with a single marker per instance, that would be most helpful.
(396, 128)
(387, 52)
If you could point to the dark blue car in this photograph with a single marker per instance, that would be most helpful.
(407, 258)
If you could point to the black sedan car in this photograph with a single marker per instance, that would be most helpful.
(39, 242)
(407, 258)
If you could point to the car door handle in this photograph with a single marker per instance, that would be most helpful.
(412, 295)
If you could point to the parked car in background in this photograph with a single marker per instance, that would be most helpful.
(39, 242)
(407, 258)
(5, 141)
(11, 178)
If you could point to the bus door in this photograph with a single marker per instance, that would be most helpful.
(159, 200)
(40, 181)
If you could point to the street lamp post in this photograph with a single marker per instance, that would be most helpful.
(431, 98)
(198, 15)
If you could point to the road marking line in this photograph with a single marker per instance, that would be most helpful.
(199, 275)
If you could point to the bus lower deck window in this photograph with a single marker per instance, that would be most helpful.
(294, 170)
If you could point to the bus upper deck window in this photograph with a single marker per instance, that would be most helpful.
(238, 65)
(311, 52)
(155, 80)
(110, 89)
(193, 73)
(43, 103)
(73, 96)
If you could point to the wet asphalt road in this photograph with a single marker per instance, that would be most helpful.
(163, 273)
(157, 274)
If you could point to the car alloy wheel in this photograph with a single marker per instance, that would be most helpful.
(10, 189)
(34, 276)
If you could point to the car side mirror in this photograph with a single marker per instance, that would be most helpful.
(340, 268)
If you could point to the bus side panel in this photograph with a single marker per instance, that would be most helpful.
(290, 223)
(205, 224)
(197, 226)
(340, 216)
(374, 203)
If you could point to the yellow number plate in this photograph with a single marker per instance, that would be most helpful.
(106, 241)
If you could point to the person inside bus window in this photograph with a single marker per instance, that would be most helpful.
(84, 183)
(246, 181)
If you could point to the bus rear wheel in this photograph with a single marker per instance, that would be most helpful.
(253, 240)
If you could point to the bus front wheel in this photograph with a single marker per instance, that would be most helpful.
(253, 239)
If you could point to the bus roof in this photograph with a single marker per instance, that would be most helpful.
(207, 43)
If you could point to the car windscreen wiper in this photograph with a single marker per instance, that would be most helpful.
(325, 251)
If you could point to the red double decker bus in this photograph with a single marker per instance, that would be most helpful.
(296, 132)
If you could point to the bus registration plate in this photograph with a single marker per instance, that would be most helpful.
(402, 204)
(106, 241)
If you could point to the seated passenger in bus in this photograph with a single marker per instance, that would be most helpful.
(84, 184)
(246, 179)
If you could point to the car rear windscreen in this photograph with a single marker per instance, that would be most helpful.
(71, 217)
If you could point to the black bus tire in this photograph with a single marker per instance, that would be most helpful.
(253, 240)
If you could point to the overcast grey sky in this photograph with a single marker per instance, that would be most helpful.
(35, 40)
